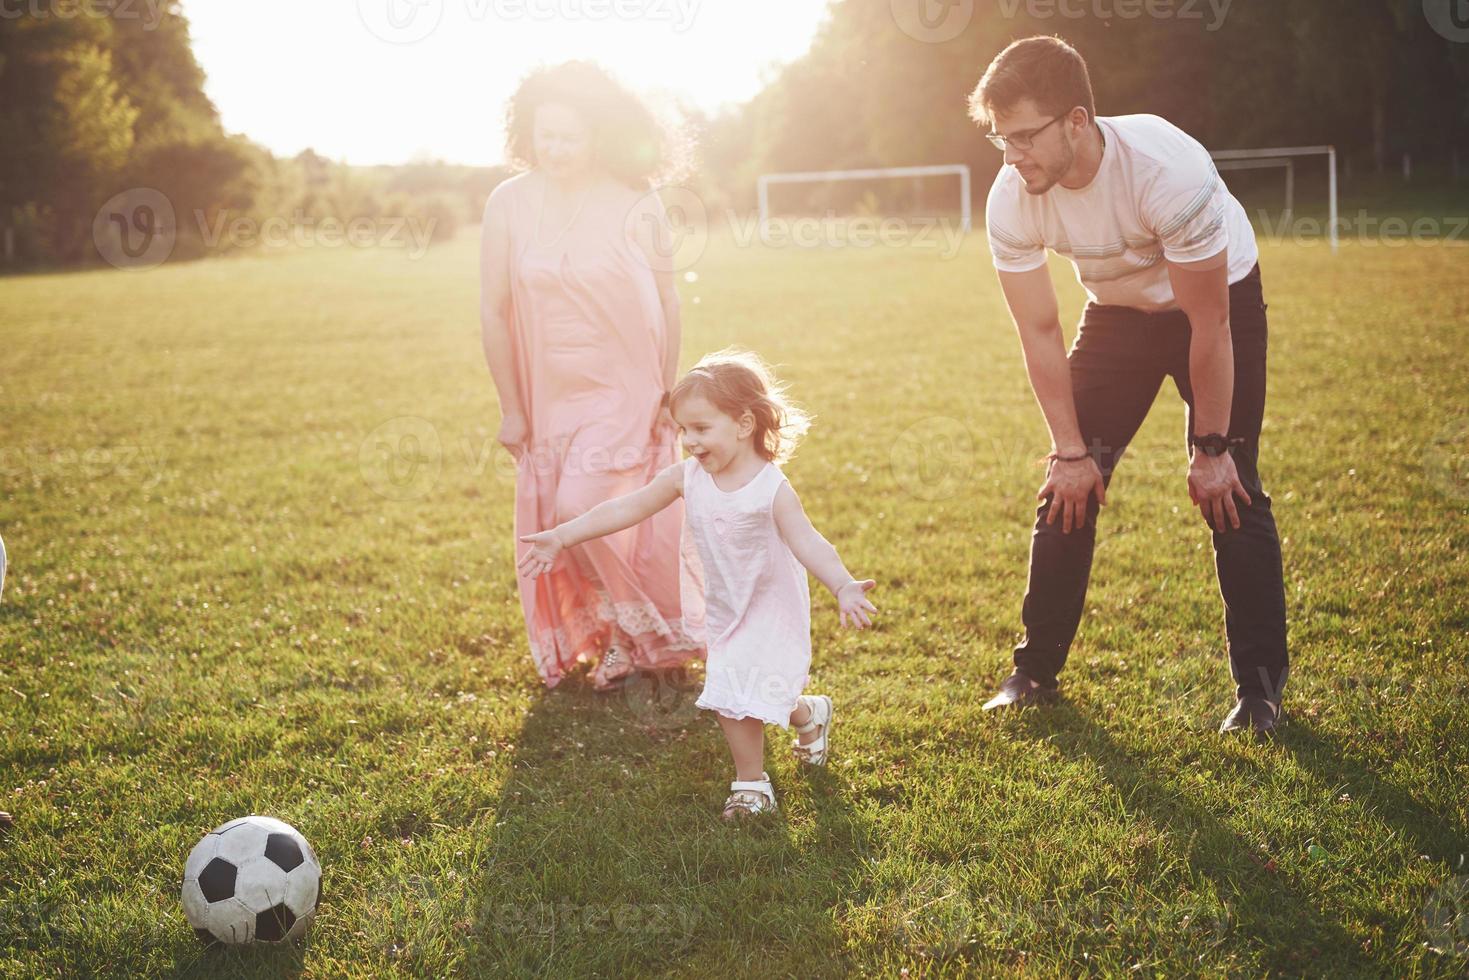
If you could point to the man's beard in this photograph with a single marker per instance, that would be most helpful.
(1053, 175)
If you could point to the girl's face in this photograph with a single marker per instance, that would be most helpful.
(712, 437)
(563, 141)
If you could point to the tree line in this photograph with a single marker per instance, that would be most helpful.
(1375, 78)
(98, 104)
(105, 100)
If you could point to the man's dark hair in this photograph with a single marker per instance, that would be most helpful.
(1046, 70)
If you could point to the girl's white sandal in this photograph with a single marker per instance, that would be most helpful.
(822, 715)
(750, 798)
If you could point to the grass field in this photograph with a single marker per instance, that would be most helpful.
(222, 600)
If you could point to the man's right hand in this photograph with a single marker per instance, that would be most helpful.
(1032, 302)
(1070, 485)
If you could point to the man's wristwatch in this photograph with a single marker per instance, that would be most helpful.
(1213, 444)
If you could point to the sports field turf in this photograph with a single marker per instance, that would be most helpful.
(261, 562)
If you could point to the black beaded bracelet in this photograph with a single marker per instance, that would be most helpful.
(1069, 459)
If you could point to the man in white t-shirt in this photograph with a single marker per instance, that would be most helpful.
(1170, 266)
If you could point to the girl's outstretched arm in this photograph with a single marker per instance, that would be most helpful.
(818, 555)
(607, 517)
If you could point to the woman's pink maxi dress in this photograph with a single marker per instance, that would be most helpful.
(589, 337)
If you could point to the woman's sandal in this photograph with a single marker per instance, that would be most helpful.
(615, 684)
(822, 716)
(613, 656)
(750, 798)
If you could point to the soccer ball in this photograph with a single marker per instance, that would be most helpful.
(254, 879)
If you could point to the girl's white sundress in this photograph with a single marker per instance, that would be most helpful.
(756, 595)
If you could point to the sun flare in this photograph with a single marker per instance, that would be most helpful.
(388, 81)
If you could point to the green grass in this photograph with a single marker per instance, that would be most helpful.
(219, 605)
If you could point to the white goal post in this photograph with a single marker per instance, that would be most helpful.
(1285, 156)
(1280, 156)
(820, 176)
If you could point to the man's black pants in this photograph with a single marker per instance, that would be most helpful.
(1118, 363)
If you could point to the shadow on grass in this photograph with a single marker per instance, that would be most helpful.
(1268, 916)
(608, 854)
(1336, 763)
(247, 961)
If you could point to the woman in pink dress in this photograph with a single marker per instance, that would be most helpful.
(581, 332)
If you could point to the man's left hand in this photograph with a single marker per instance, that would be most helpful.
(1213, 483)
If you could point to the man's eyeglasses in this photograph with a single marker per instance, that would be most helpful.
(1021, 141)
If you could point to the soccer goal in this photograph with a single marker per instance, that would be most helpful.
(821, 176)
(1285, 157)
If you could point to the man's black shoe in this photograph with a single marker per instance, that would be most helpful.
(1253, 714)
(1019, 690)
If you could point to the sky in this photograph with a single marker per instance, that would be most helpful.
(390, 81)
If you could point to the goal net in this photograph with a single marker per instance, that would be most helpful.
(882, 173)
(1285, 157)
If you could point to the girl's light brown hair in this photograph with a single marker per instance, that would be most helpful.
(737, 381)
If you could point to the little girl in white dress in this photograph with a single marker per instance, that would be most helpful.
(754, 545)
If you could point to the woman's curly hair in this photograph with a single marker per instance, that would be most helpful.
(630, 141)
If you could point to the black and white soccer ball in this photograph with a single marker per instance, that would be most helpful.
(251, 880)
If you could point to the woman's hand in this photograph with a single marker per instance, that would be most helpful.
(1072, 483)
(665, 417)
(852, 601)
(514, 431)
(546, 546)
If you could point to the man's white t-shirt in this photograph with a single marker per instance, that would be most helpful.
(1156, 195)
